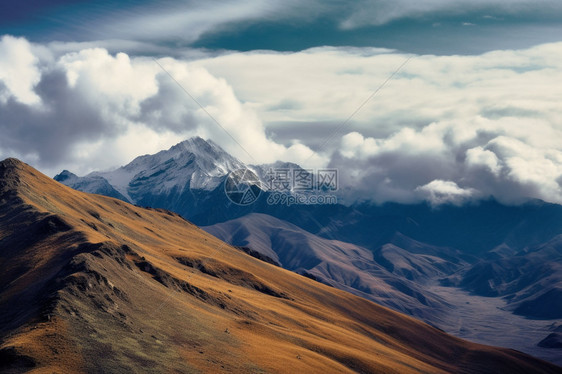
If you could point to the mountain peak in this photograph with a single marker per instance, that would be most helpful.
(11, 172)
(200, 147)
(205, 150)
(20, 179)
(64, 175)
(196, 140)
(11, 163)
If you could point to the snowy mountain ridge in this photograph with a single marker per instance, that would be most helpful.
(194, 164)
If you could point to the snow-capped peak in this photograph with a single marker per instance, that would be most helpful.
(194, 163)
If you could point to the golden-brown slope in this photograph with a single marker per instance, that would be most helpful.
(91, 284)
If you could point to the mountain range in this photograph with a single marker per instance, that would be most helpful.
(93, 284)
(414, 258)
(343, 265)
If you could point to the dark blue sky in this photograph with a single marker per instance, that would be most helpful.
(411, 36)
(436, 28)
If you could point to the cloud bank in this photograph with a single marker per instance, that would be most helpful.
(89, 109)
(446, 129)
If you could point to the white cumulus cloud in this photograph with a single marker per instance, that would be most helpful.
(439, 192)
(488, 122)
(100, 110)
(18, 70)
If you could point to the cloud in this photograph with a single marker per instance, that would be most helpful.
(354, 145)
(444, 128)
(479, 157)
(233, 124)
(439, 192)
(184, 21)
(77, 108)
(487, 123)
(379, 12)
(151, 22)
(431, 163)
(18, 70)
(158, 25)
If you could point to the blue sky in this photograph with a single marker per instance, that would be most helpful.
(426, 27)
(471, 110)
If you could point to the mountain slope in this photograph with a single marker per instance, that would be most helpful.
(92, 284)
(344, 265)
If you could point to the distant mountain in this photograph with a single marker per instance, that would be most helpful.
(194, 164)
(530, 280)
(416, 261)
(90, 284)
(475, 228)
(91, 184)
(344, 265)
(180, 178)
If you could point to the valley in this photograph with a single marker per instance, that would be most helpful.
(485, 319)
